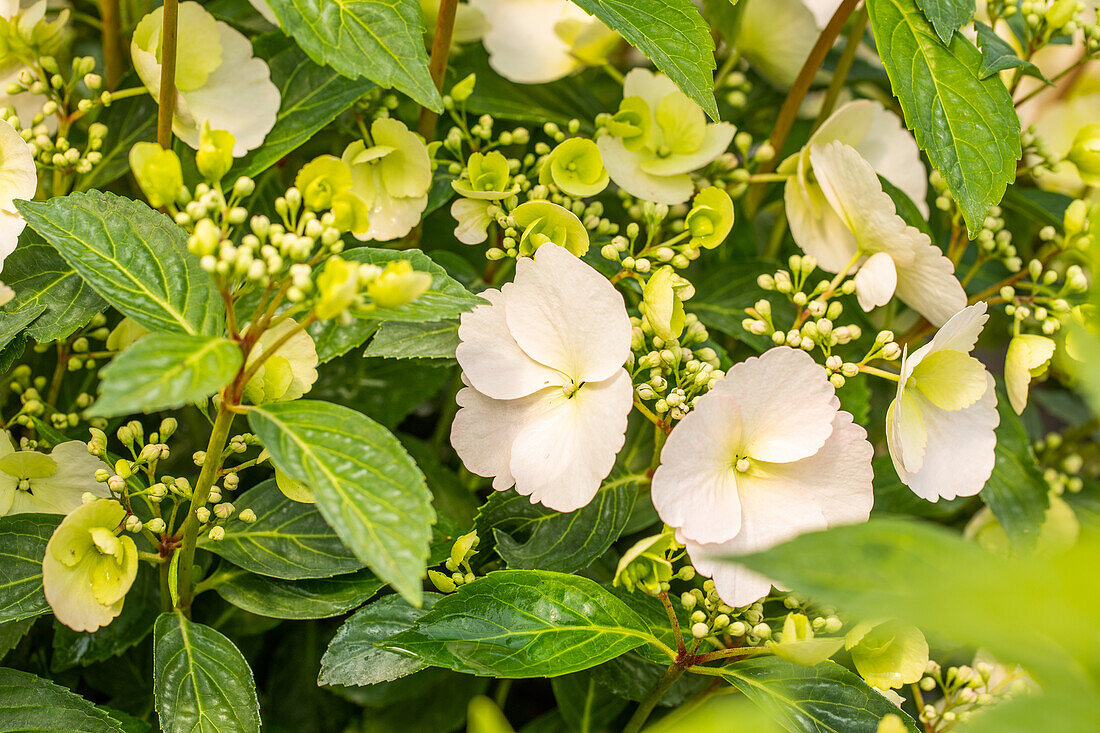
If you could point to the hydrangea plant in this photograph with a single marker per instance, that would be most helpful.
(549, 366)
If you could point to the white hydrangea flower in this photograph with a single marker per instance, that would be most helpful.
(547, 400)
(847, 219)
(776, 35)
(764, 456)
(265, 10)
(18, 180)
(1028, 356)
(49, 484)
(392, 177)
(658, 138)
(940, 426)
(218, 81)
(287, 374)
(539, 41)
(470, 24)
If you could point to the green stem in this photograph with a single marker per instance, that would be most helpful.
(879, 373)
(112, 43)
(189, 532)
(843, 66)
(167, 73)
(437, 64)
(673, 673)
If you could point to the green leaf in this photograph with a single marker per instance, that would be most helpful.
(163, 371)
(312, 96)
(1045, 208)
(998, 55)
(573, 97)
(23, 539)
(562, 542)
(951, 588)
(947, 16)
(387, 390)
(672, 34)
(822, 699)
(382, 40)
(13, 323)
(288, 540)
(415, 340)
(134, 257)
(1016, 491)
(38, 275)
(446, 298)
(1076, 713)
(352, 657)
(29, 703)
(295, 599)
(967, 125)
(524, 623)
(584, 703)
(11, 633)
(139, 613)
(201, 681)
(367, 487)
(723, 295)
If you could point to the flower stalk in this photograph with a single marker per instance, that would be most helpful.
(437, 64)
(167, 107)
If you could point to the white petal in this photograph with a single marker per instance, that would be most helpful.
(787, 404)
(816, 228)
(18, 179)
(392, 217)
(960, 333)
(879, 136)
(906, 435)
(695, 487)
(521, 39)
(769, 518)
(929, 285)
(238, 96)
(62, 492)
(855, 193)
(560, 458)
(823, 10)
(484, 430)
(716, 140)
(838, 478)
(492, 360)
(776, 37)
(11, 226)
(876, 280)
(265, 10)
(650, 86)
(1025, 353)
(960, 454)
(564, 314)
(624, 167)
(473, 220)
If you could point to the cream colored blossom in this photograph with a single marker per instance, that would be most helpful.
(286, 374)
(52, 484)
(392, 177)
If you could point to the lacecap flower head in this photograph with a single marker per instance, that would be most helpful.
(764, 456)
(89, 566)
(657, 138)
(940, 426)
(18, 180)
(33, 482)
(547, 398)
(538, 41)
(218, 81)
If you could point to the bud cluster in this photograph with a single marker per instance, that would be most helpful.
(965, 690)
(672, 375)
(457, 565)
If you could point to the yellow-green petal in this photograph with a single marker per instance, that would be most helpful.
(1028, 356)
(951, 380)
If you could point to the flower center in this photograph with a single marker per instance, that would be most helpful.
(743, 464)
(571, 388)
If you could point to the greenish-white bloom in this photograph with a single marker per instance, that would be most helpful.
(398, 284)
(18, 180)
(576, 168)
(218, 80)
(797, 643)
(1027, 358)
(538, 41)
(645, 565)
(658, 138)
(326, 183)
(776, 35)
(850, 221)
(663, 302)
(473, 220)
(711, 218)
(392, 177)
(543, 222)
(89, 566)
(1085, 153)
(50, 484)
(888, 654)
(158, 172)
(486, 177)
(289, 372)
(940, 426)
